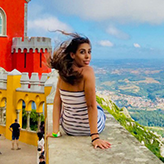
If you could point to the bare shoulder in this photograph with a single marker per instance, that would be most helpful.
(88, 71)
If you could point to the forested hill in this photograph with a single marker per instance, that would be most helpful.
(151, 140)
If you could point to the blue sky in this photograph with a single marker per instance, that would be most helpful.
(116, 28)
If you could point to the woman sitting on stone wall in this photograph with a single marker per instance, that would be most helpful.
(75, 92)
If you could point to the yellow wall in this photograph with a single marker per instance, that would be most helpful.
(3, 95)
(2, 129)
(28, 137)
(14, 102)
(13, 82)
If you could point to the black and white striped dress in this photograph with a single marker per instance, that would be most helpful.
(75, 114)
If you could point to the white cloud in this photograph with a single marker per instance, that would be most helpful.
(48, 24)
(136, 45)
(117, 33)
(106, 43)
(149, 11)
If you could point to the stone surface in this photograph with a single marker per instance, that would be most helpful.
(52, 81)
(2, 70)
(27, 154)
(125, 149)
(14, 72)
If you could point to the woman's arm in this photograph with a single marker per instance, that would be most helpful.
(56, 109)
(90, 95)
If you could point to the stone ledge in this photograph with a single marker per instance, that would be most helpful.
(125, 148)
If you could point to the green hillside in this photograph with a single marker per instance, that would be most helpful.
(150, 139)
(150, 118)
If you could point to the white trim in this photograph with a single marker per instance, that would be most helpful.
(1, 24)
(4, 27)
(3, 35)
(28, 1)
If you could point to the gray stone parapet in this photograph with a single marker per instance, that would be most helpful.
(52, 81)
(34, 82)
(3, 80)
(125, 148)
(24, 81)
(36, 85)
(31, 43)
(43, 80)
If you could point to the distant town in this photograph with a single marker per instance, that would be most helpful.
(133, 102)
(134, 84)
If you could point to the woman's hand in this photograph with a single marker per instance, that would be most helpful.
(102, 144)
(50, 135)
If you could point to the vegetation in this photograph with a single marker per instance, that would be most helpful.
(148, 118)
(33, 119)
(158, 130)
(151, 140)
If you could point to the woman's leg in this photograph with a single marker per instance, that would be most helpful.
(101, 119)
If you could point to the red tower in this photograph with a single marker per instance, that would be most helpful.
(29, 54)
(16, 50)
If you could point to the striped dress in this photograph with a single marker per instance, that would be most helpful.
(74, 120)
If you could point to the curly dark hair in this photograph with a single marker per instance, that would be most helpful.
(62, 60)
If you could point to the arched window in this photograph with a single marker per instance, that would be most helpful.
(2, 22)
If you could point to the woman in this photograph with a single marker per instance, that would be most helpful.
(75, 92)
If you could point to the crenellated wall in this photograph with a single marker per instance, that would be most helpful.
(30, 55)
(31, 43)
(17, 51)
(15, 89)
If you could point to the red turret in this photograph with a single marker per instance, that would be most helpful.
(16, 50)
(29, 54)
(11, 25)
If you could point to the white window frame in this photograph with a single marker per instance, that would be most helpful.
(3, 23)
